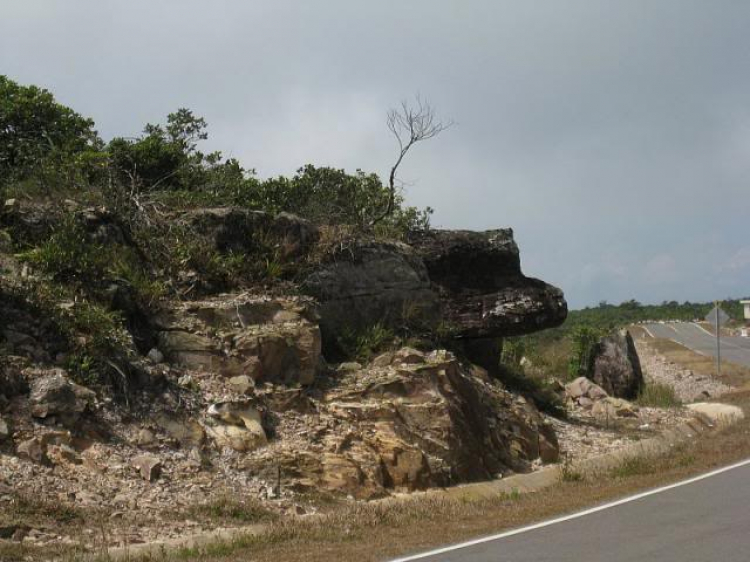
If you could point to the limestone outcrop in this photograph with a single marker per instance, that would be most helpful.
(266, 339)
(417, 420)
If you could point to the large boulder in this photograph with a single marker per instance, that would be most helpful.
(421, 420)
(267, 339)
(54, 395)
(615, 366)
(370, 283)
(236, 425)
(482, 290)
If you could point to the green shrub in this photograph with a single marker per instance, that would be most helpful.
(584, 340)
(69, 255)
(363, 345)
(36, 131)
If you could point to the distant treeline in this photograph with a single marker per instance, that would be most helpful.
(606, 317)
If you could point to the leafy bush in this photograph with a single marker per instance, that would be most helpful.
(330, 196)
(584, 341)
(69, 255)
(37, 132)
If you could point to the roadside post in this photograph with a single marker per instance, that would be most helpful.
(718, 318)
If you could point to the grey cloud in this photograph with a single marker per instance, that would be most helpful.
(606, 133)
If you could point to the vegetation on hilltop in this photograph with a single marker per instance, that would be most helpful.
(106, 227)
(47, 149)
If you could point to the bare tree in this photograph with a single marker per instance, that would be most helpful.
(410, 124)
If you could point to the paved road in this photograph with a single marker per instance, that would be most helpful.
(733, 349)
(698, 522)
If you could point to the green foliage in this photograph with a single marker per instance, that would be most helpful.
(95, 336)
(165, 157)
(584, 341)
(38, 134)
(68, 254)
(330, 196)
(363, 345)
(609, 317)
(658, 395)
(515, 349)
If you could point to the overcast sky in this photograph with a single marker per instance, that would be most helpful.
(613, 137)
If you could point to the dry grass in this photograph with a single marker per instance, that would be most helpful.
(658, 395)
(732, 374)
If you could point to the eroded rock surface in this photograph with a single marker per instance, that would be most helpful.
(372, 283)
(265, 339)
(482, 290)
(423, 420)
(615, 366)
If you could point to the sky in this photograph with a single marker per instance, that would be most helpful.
(613, 137)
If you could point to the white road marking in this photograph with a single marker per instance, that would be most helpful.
(703, 329)
(577, 515)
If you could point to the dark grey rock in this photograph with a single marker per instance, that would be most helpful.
(372, 283)
(615, 366)
(482, 290)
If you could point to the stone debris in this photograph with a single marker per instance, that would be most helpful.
(149, 467)
(688, 385)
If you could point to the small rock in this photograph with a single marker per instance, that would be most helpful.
(54, 395)
(145, 438)
(383, 360)
(350, 366)
(408, 356)
(242, 384)
(148, 466)
(63, 454)
(185, 381)
(4, 430)
(31, 449)
(155, 355)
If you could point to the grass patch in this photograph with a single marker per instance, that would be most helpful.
(658, 395)
(237, 510)
(630, 466)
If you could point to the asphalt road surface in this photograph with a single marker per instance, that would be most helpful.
(692, 336)
(703, 521)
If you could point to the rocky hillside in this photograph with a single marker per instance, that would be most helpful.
(369, 370)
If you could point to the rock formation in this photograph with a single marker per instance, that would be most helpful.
(240, 387)
(615, 366)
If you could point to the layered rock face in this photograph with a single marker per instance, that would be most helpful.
(482, 290)
(410, 421)
(268, 340)
(471, 282)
